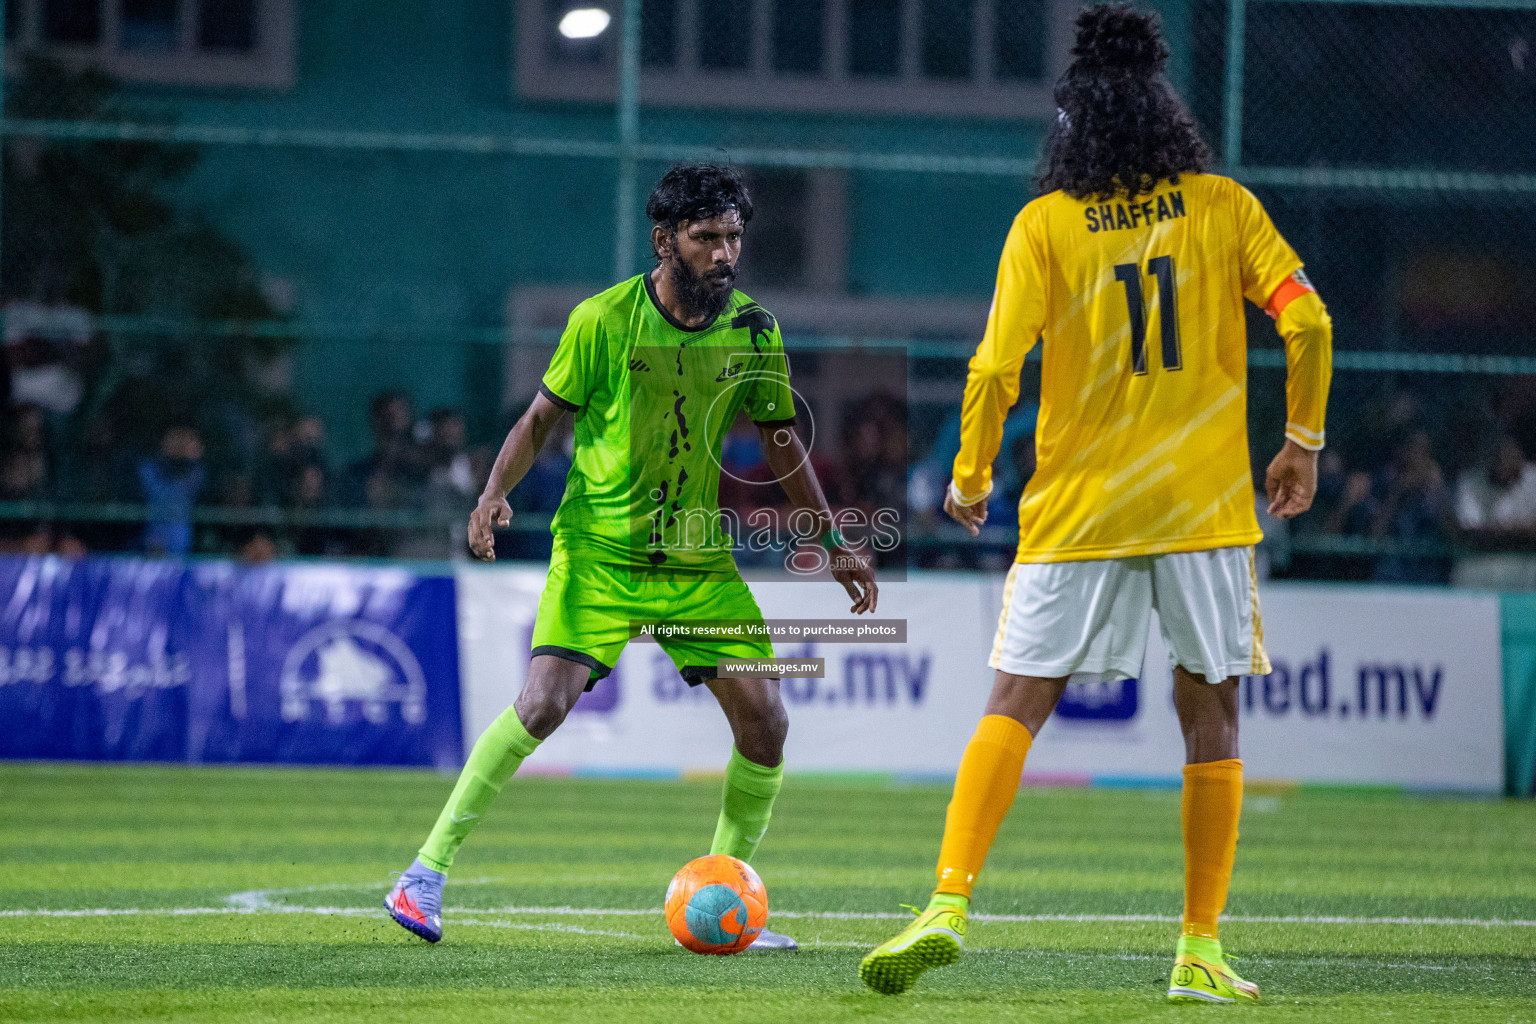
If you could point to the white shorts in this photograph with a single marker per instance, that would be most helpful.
(1062, 618)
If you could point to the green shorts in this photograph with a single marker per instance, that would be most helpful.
(587, 607)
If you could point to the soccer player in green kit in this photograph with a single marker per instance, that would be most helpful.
(655, 370)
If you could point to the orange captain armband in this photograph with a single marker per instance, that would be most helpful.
(1291, 289)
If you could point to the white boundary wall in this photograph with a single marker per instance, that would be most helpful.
(1371, 685)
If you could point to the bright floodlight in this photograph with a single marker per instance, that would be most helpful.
(584, 23)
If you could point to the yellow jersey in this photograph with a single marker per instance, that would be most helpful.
(1142, 441)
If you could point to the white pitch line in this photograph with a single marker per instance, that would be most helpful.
(124, 912)
(195, 911)
(853, 915)
(261, 899)
(570, 928)
(271, 908)
(268, 907)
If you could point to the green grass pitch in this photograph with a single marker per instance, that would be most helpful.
(251, 894)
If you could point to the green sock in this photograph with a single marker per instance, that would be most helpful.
(496, 755)
(1205, 948)
(952, 900)
(750, 789)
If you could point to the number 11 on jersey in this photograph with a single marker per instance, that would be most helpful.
(1129, 274)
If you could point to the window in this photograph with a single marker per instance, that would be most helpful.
(191, 42)
(725, 34)
(1018, 37)
(969, 58)
(797, 36)
(658, 33)
(71, 21)
(226, 25)
(947, 30)
(874, 37)
(149, 25)
(773, 254)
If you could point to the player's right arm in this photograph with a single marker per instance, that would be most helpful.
(568, 384)
(522, 446)
(992, 380)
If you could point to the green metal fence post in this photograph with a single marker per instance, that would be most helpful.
(629, 139)
(1232, 95)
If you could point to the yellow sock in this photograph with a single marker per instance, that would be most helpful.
(1213, 800)
(985, 787)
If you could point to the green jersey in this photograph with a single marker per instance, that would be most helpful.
(653, 402)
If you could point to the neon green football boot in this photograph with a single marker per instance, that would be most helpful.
(1201, 974)
(935, 939)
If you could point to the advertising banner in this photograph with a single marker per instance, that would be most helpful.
(95, 659)
(880, 706)
(325, 664)
(1369, 686)
(317, 664)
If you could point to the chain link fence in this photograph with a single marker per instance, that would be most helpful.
(348, 289)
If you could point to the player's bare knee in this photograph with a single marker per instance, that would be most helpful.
(775, 726)
(541, 711)
(551, 689)
(543, 704)
(761, 727)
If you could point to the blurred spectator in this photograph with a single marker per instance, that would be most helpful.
(310, 487)
(46, 348)
(1340, 507)
(929, 481)
(874, 477)
(391, 474)
(449, 487)
(1496, 508)
(450, 473)
(1388, 418)
(171, 482)
(237, 490)
(1414, 509)
(930, 477)
(292, 450)
(24, 476)
(257, 548)
(311, 492)
(874, 437)
(18, 537)
(1007, 489)
(1352, 504)
(744, 473)
(104, 471)
(539, 492)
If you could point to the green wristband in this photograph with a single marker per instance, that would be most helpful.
(832, 538)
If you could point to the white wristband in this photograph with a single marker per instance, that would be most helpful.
(961, 499)
(1308, 439)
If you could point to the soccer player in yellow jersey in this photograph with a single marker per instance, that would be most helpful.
(1133, 267)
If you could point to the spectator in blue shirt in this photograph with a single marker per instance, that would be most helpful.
(170, 483)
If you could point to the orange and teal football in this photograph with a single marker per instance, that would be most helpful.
(716, 904)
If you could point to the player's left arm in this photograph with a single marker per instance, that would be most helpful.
(1302, 320)
(791, 466)
(771, 405)
(1272, 278)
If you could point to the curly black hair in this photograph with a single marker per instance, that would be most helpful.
(1121, 128)
(689, 192)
